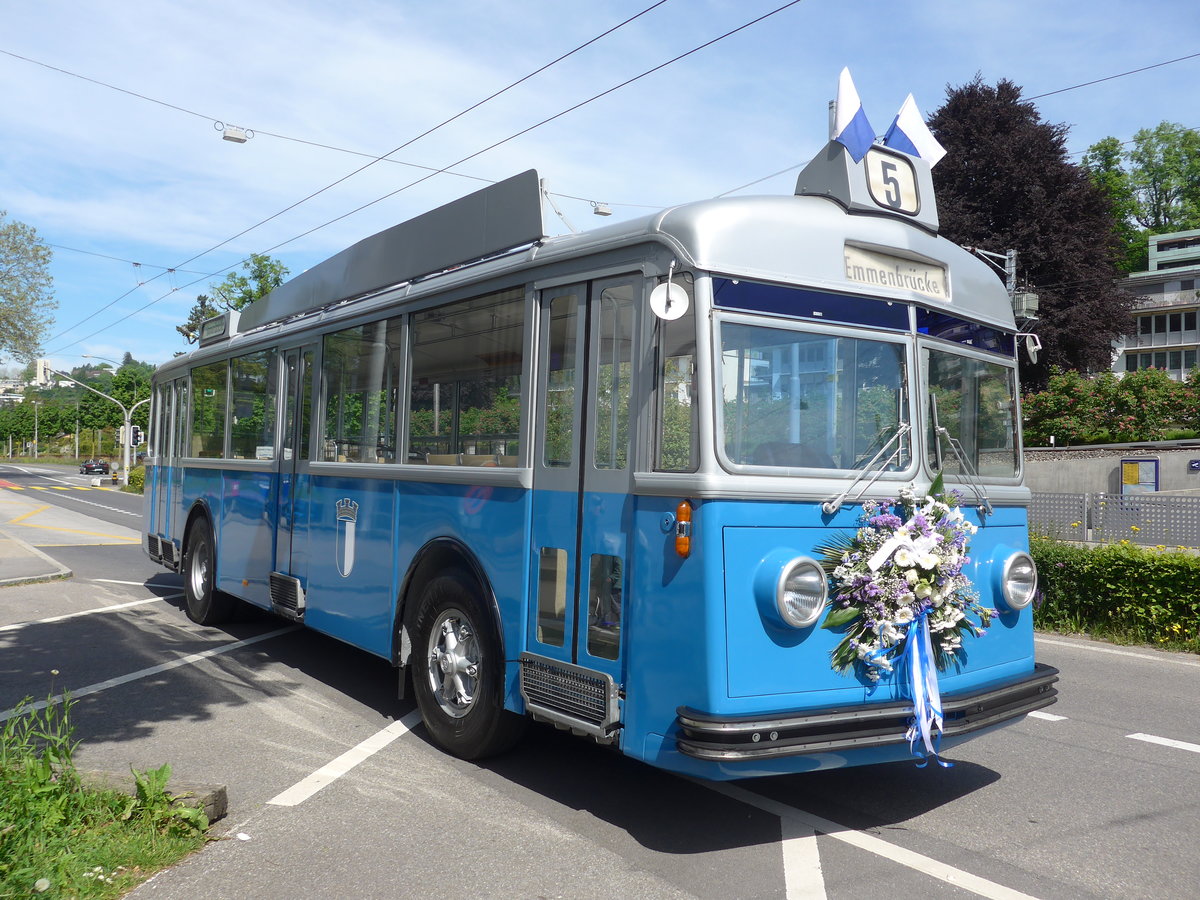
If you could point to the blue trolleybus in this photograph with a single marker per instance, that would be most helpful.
(593, 479)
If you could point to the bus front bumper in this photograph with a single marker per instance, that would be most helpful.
(731, 738)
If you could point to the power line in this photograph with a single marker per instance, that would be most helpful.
(121, 260)
(471, 156)
(374, 160)
(1075, 87)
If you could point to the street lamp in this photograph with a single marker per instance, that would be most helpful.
(125, 414)
(36, 403)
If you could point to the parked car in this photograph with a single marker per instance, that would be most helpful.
(94, 467)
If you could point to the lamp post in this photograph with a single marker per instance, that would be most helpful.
(126, 412)
(36, 403)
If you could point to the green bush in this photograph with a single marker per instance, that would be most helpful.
(137, 479)
(1121, 592)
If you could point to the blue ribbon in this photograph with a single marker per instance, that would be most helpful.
(927, 699)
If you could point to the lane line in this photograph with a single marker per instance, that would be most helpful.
(1049, 717)
(190, 659)
(88, 612)
(893, 852)
(332, 771)
(802, 875)
(140, 584)
(1115, 652)
(1165, 742)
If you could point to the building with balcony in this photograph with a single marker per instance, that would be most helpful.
(1165, 335)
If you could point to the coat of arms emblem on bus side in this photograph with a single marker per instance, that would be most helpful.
(347, 521)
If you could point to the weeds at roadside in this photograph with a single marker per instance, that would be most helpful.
(59, 838)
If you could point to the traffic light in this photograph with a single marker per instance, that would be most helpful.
(135, 435)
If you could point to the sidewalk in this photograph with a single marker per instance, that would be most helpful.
(22, 564)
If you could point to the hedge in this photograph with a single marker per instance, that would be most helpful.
(1121, 592)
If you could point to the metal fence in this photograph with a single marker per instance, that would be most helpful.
(1149, 519)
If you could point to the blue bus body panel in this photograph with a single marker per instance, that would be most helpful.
(246, 534)
(698, 638)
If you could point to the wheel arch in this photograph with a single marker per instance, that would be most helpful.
(200, 510)
(436, 558)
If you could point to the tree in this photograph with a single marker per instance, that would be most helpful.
(235, 292)
(1155, 184)
(26, 298)
(1006, 183)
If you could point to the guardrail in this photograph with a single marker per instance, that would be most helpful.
(1144, 518)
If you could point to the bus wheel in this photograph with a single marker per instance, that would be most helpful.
(459, 675)
(205, 604)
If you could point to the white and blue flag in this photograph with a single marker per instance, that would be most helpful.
(851, 128)
(909, 134)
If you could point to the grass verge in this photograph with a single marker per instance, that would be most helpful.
(59, 838)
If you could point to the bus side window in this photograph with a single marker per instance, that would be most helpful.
(210, 389)
(676, 434)
(360, 374)
(464, 406)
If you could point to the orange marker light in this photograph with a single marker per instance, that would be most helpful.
(683, 529)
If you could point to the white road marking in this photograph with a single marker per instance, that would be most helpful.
(1093, 648)
(1049, 717)
(115, 581)
(802, 875)
(331, 772)
(871, 844)
(88, 612)
(190, 659)
(1165, 742)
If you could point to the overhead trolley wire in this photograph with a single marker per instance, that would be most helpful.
(471, 156)
(374, 160)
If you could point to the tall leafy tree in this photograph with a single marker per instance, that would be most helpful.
(1154, 184)
(26, 295)
(236, 291)
(1006, 183)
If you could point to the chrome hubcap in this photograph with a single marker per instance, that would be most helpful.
(453, 663)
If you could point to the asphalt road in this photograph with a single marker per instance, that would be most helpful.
(335, 791)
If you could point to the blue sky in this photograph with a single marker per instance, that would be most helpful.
(130, 180)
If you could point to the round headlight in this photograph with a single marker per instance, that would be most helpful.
(800, 592)
(1020, 581)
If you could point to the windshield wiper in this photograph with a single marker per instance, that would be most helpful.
(829, 507)
(968, 471)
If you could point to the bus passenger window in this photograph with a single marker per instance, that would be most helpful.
(360, 376)
(464, 406)
(209, 386)
(255, 379)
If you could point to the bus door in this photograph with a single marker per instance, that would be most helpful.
(582, 507)
(162, 458)
(289, 574)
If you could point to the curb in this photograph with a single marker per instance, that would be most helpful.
(55, 571)
(212, 798)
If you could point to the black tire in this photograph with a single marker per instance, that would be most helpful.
(458, 672)
(205, 604)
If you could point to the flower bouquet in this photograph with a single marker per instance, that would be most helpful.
(903, 568)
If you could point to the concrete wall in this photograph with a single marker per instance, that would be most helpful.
(1087, 470)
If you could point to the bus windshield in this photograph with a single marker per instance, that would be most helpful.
(974, 404)
(797, 399)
